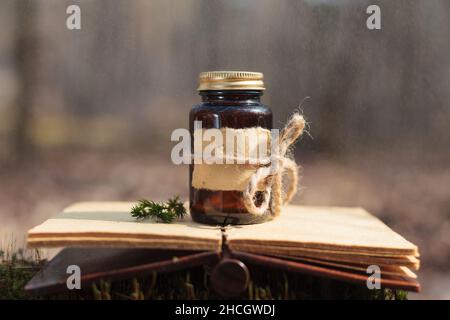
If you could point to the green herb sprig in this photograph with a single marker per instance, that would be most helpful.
(164, 212)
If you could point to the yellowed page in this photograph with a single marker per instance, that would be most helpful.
(110, 223)
(326, 228)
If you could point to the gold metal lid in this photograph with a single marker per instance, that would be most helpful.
(231, 80)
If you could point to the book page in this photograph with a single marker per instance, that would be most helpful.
(111, 224)
(323, 228)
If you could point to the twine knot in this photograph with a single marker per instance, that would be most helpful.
(271, 177)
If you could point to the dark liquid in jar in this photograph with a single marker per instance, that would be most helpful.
(231, 109)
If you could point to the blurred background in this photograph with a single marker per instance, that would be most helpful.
(87, 114)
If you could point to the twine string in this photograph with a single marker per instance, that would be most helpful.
(271, 177)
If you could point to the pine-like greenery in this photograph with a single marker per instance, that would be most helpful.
(163, 212)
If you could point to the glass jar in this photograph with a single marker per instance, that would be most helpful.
(230, 99)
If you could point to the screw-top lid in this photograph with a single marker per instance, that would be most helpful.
(231, 80)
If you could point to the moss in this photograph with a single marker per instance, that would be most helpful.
(15, 271)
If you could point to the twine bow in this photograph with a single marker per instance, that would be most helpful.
(271, 177)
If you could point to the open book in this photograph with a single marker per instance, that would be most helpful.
(342, 238)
